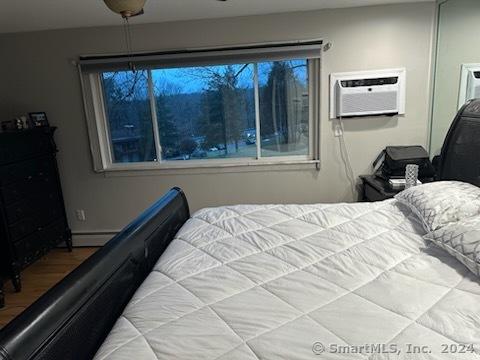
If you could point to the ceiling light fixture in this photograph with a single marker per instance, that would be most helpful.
(127, 9)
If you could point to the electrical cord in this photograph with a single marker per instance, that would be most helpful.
(346, 158)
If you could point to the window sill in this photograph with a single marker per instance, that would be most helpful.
(140, 169)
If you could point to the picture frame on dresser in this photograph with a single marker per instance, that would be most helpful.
(38, 119)
(32, 212)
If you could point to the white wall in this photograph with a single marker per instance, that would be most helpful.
(41, 78)
(459, 29)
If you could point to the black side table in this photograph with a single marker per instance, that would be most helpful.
(376, 189)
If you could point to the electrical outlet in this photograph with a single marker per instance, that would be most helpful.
(338, 131)
(80, 215)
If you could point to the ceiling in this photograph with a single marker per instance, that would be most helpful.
(33, 15)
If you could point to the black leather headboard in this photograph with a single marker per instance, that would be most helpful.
(460, 156)
(72, 320)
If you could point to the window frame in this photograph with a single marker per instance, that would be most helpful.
(101, 147)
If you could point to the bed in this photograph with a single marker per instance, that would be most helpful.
(269, 282)
(326, 281)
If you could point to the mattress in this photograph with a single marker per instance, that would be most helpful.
(323, 281)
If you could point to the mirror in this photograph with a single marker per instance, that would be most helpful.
(457, 70)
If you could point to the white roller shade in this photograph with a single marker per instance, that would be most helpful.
(310, 49)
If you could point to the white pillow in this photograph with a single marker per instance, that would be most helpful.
(462, 240)
(442, 202)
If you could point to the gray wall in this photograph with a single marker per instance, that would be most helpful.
(39, 77)
(458, 32)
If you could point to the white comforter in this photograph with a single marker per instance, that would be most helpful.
(341, 281)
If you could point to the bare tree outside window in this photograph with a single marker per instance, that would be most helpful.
(209, 112)
(129, 118)
(213, 108)
(284, 107)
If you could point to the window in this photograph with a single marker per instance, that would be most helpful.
(259, 111)
(205, 112)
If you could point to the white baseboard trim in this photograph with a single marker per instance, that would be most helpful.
(91, 239)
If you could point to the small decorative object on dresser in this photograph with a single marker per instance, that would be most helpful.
(38, 119)
(32, 212)
(9, 125)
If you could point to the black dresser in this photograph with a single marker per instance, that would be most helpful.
(32, 212)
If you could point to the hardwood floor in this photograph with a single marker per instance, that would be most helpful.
(39, 277)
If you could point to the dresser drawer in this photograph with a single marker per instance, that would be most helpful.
(55, 233)
(22, 145)
(27, 171)
(28, 249)
(22, 228)
(18, 211)
(35, 219)
(46, 204)
(30, 190)
(35, 245)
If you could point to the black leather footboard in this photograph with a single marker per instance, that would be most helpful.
(73, 318)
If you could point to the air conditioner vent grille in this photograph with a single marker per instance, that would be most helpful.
(369, 102)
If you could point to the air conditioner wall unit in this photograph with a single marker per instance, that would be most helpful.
(367, 93)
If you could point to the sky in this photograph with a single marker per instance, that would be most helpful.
(195, 79)
(189, 80)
